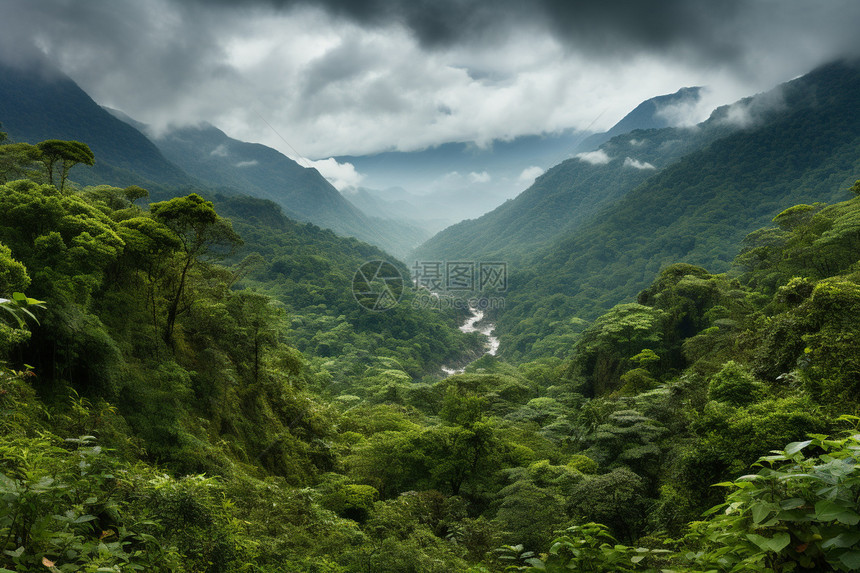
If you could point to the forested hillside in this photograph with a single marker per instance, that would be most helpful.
(655, 113)
(222, 162)
(190, 386)
(42, 103)
(696, 210)
(574, 191)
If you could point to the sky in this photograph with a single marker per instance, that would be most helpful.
(353, 77)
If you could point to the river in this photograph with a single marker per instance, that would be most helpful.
(470, 325)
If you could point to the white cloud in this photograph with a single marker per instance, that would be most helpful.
(635, 163)
(598, 157)
(220, 151)
(341, 175)
(250, 163)
(482, 177)
(325, 86)
(750, 111)
(330, 85)
(529, 174)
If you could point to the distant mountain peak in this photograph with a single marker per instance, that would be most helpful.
(669, 110)
(42, 103)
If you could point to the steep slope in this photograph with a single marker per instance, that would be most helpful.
(39, 104)
(311, 271)
(575, 190)
(44, 104)
(225, 163)
(655, 113)
(475, 178)
(698, 209)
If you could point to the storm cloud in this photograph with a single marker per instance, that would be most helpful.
(336, 77)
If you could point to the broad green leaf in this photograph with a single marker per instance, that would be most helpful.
(795, 447)
(85, 518)
(851, 559)
(827, 510)
(761, 511)
(779, 542)
(845, 539)
(776, 544)
(792, 503)
(848, 517)
(759, 540)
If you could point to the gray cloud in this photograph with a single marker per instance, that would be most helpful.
(358, 76)
(710, 30)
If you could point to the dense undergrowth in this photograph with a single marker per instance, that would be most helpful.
(161, 411)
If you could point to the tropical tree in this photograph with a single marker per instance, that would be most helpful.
(202, 235)
(65, 154)
(18, 160)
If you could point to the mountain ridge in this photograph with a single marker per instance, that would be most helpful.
(41, 104)
(698, 209)
(572, 191)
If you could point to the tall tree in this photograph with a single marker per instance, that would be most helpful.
(65, 154)
(202, 234)
(18, 160)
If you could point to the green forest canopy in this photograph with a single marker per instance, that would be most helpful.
(180, 408)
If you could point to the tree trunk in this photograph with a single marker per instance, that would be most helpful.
(174, 304)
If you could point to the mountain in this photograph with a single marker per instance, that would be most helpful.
(799, 143)
(575, 190)
(472, 177)
(655, 113)
(221, 162)
(40, 104)
(478, 178)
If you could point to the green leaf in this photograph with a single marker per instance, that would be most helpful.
(827, 510)
(792, 503)
(795, 447)
(848, 517)
(851, 559)
(85, 518)
(779, 541)
(761, 511)
(759, 540)
(844, 539)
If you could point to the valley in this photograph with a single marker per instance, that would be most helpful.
(491, 345)
(541, 341)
